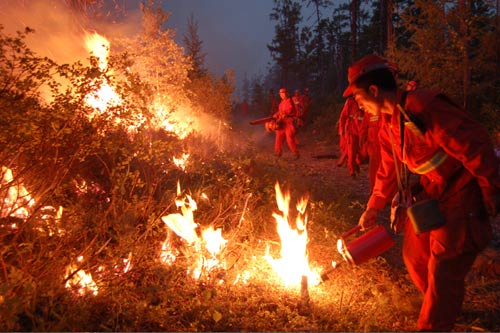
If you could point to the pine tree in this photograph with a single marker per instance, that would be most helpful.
(285, 46)
(194, 48)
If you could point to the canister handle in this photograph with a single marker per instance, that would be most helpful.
(354, 230)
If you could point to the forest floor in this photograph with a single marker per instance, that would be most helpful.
(382, 282)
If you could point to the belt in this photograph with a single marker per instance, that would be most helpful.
(432, 163)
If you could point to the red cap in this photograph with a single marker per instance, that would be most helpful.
(363, 66)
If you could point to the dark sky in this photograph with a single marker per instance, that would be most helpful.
(235, 33)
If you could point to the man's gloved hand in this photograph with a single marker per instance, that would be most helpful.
(368, 218)
(491, 199)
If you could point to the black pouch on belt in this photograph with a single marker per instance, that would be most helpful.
(425, 216)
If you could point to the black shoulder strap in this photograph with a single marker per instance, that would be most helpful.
(402, 120)
(416, 123)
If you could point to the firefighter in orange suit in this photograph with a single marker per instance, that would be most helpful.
(286, 129)
(369, 144)
(454, 158)
(349, 130)
(299, 109)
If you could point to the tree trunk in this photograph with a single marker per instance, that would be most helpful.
(354, 28)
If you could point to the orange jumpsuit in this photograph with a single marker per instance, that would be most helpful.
(285, 116)
(438, 260)
(369, 144)
(349, 130)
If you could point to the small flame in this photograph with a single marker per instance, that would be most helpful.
(16, 198)
(293, 264)
(80, 281)
(181, 162)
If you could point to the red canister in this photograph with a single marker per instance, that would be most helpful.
(370, 244)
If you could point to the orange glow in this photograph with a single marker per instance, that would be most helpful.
(16, 199)
(293, 263)
(81, 281)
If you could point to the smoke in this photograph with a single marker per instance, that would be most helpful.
(60, 31)
(59, 28)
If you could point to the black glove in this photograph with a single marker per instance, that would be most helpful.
(491, 200)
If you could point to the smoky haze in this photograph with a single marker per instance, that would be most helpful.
(59, 31)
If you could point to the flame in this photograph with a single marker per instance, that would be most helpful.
(99, 46)
(16, 198)
(204, 250)
(80, 281)
(293, 264)
(178, 121)
(181, 162)
(104, 95)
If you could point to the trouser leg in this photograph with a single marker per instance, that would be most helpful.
(439, 273)
(445, 293)
(278, 143)
(291, 139)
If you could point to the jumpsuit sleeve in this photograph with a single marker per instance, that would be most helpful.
(463, 138)
(385, 182)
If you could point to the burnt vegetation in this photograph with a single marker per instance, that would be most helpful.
(85, 192)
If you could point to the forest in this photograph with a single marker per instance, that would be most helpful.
(135, 197)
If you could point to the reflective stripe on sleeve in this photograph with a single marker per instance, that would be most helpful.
(432, 163)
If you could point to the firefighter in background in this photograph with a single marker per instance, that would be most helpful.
(285, 129)
(369, 144)
(299, 109)
(306, 101)
(454, 158)
(349, 130)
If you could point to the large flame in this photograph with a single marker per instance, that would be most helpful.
(99, 46)
(104, 95)
(293, 264)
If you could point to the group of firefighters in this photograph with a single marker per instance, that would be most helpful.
(358, 133)
(291, 113)
(424, 134)
(430, 154)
